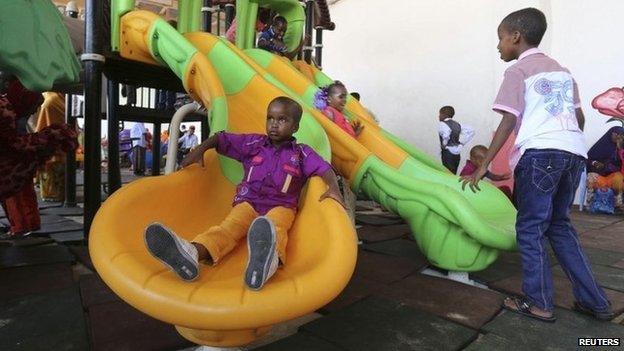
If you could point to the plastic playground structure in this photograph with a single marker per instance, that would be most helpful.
(456, 230)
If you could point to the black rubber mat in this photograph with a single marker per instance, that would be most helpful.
(67, 226)
(73, 236)
(511, 331)
(373, 233)
(50, 321)
(63, 211)
(27, 241)
(21, 281)
(301, 341)
(118, 326)
(379, 324)
(15, 256)
(81, 252)
(378, 219)
(461, 303)
(94, 291)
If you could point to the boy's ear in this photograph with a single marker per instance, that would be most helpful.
(516, 37)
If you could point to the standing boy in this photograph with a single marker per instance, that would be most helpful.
(453, 136)
(539, 99)
(276, 168)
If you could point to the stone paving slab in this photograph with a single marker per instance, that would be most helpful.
(64, 211)
(27, 241)
(380, 324)
(373, 233)
(118, 326)
(94, 291)
(608, 277)
(45, 219)
(398, 247)
(460, 303)
(563, 292)
(48, 228)
(73, 236)
(300, 342)
(357, 289)
(384, 269)
(50, 321)
(507, 265)
(26, 256)
(82, 255)
(384, 218)
(39, 279)
(605, 239)
(511, 331)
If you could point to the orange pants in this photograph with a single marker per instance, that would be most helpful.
(614, 181)
(219, 240)
(22, 210)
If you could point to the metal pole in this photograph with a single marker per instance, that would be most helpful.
(93, 61)
(70, 159)
(156, 149)
(318, 46)
(207, 16)
(309, 24)
(230, 12)
(114, 169)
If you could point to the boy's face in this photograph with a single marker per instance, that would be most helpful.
(442, 116)
(280, 125)
(337, 97)
(280, 29)
(507, 43)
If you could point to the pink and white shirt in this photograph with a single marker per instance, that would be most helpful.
(543, 96)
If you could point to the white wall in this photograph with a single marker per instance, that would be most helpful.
(408, 58)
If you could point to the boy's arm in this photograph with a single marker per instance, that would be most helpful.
(497, 177)
(197, 155)
(504, 130)
(580, 118)
(291, 55)
(333, 191)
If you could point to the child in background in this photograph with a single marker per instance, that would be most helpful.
(453, 136)
(272, 39)
(262, 21)
(477, 155)
(276, 168)
(551, 149)
(331, 100)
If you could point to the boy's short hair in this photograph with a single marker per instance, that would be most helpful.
(291, 106)
(478, 151)
(448, 111)
(529, 22)
(280, 19)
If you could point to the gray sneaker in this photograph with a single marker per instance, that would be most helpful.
(263, 258)
(176, 253)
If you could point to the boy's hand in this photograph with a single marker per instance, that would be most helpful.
(473, 179)
(357, 127)
(194, 156)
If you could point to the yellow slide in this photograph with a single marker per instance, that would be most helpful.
(216, 309)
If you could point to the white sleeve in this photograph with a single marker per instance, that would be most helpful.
(466, 134)
(445, 132)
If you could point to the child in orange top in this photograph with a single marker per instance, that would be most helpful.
(331, 100)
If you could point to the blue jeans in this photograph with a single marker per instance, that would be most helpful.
(545, 185)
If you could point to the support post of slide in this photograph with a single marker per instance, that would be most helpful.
(93, 62)
(309, 24)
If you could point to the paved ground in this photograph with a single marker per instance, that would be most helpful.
(51, 298)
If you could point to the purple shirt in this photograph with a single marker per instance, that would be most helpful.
(273, 176)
